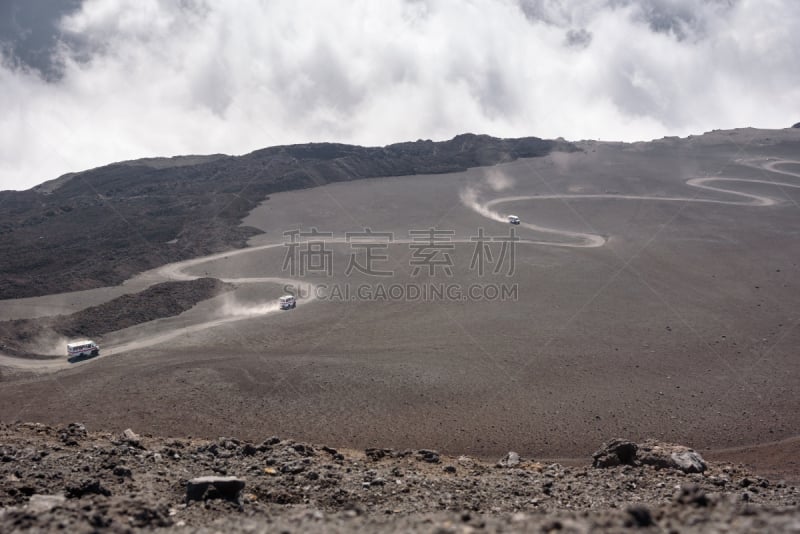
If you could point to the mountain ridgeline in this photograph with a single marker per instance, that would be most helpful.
(99, 227)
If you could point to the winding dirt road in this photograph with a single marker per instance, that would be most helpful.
(587, 240)
(179, 271)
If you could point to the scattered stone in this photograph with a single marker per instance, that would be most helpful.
(691, 494)
(640, 516)
(121, 471)
(213, 487)
(39, 504)
(86, 487)
(466, 461)
(305, 450)
(293, 468)
(131, 438)
(689, 461)
(376, 455)
(395, 492)
(615, 452)
(509, 460)
(72, 434)
(432, 457)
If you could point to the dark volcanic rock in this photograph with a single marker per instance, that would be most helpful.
(86, 487)
(615, 452)
(640, 516)
(212, 487)
(400, 493)
(73, 433)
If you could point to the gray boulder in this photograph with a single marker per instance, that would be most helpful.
(509, 460)
(131, 438)
(670, 456)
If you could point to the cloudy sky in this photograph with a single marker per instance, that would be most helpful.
(88, 82)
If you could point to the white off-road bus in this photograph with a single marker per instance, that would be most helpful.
(86, 347)
(288, 302)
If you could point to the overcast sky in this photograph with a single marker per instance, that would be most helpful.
(84, 83)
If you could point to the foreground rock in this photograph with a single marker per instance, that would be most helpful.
(98, 482)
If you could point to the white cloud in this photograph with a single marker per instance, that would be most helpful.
(159, 77)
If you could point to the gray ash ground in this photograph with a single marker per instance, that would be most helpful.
(23, 337)
(68, 479)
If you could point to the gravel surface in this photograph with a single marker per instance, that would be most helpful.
(70, 479)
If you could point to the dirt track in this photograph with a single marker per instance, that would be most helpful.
(681, 326)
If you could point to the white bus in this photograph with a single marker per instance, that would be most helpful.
(86, 347)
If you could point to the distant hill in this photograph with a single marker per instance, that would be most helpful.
(101, 226)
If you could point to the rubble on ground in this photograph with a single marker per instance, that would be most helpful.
(71, 479)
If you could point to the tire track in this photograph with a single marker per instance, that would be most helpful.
(575, 239)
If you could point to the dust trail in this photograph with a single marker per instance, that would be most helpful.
(470, 197)
(230, 311)
(48, 343)
(497, 180)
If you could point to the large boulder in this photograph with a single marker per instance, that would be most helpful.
(615, 452)
(660, 455)
(669, 456)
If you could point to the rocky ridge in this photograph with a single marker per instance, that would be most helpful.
(69, 478)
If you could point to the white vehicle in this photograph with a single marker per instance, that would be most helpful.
(513, 219)
(86, 347)
(288, 302)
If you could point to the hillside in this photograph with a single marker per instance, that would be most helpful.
(99, 227)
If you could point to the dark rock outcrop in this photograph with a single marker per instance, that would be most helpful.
(615, 452)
